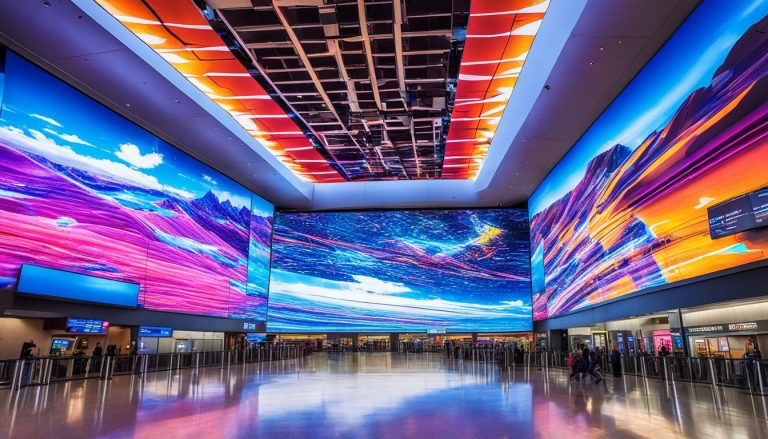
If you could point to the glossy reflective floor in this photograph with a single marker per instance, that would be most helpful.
(378, 395)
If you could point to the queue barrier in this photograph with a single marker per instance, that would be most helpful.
(749, 374)
(15, 374)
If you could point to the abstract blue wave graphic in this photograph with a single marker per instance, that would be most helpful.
(398, 271)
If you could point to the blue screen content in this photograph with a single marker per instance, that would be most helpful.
(73, 286)
(155, 331)
(398, 271)
(87, 326)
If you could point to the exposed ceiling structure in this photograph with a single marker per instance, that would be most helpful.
(585, 53)
(350, 90)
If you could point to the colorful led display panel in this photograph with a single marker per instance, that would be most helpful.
(85, 190)
(177, 30)
(626, 208)
(499, 35)
(395, 271)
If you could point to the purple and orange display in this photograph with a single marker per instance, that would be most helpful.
(626, 208)
(84, 190)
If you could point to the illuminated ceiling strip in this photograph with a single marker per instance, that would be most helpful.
(475, 118)
(535, 9)
(496, 61)
(466, 77)
(195, 49)
(529, 29)
(258, 97)
(499, 85)
(137, 20)
(503, 97)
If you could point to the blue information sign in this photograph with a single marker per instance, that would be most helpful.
(155, 331)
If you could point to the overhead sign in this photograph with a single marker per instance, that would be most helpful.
(759, 325)
(155, 331)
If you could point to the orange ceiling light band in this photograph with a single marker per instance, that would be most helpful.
(177, 31)
(499, 36)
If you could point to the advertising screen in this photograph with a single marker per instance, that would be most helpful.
(626, 208)
(397, 271)
(87, 326)
(84, 190)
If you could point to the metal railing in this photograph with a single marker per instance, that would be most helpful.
(15, 374)
(745, 373)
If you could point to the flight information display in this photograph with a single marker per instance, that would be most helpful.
(87, 326)
(759, 201)
(739, 214)
(731, 217)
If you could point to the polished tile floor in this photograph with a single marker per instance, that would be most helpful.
(377, 395)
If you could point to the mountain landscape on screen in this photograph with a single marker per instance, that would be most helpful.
(638, 218)
(84, 190)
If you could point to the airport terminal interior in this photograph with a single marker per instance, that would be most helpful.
(383, 219)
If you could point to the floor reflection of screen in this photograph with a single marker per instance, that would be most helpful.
(392, 271)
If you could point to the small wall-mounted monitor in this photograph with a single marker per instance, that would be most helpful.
(256, 338)
(59, 284)
(155, 331)
(59, 345)
(87, 326)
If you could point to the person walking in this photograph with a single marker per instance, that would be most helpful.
(616, 361)
(574, 360)
(594, 361)
(26, 366)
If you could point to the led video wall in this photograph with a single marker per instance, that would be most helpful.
(626, 208)
(385, 271)
(84, 190)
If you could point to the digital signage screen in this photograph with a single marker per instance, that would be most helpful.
(732, 216)
(625, 210)
(87, 326)
(73, 286)
(759, 201)
(155, 331)
(256, 338)
(84, 190)
(399, 271)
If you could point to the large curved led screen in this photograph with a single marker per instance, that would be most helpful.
(626, 208)
(84, 190)
(396, 271)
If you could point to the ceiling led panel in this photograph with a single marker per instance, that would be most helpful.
(351, 90)
(178, 31)
(498, 39)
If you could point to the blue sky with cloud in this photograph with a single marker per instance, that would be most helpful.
(67, 127)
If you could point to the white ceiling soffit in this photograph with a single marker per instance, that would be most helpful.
(93, 51)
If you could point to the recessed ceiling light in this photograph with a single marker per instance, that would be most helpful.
(591, 63)
(602, 48)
